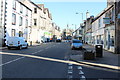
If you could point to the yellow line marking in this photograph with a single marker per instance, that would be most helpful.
(63, 61)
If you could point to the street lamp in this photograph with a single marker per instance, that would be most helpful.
(81, 14)
(75, 26)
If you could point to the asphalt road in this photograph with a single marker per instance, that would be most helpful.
(14, 66)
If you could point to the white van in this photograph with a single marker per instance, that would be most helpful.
(17, 42)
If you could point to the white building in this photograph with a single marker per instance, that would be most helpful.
(98, 30)
(17, 20)
(103, 29)
(37, 20)
(40, 21)
(110, 29)
(2, 20)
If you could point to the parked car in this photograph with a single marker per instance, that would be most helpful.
(76, 44)
(43, 39)
(17, 42)
(58, 40)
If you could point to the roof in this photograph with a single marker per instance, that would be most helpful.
(41, 5)
(24, 5)
(35, 4)
(103, 12)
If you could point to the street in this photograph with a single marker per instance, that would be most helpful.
(49, 63)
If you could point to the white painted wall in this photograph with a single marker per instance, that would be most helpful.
(96, 30)
(17, 27)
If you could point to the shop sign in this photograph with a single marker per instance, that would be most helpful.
(106, 20)
(118, 16)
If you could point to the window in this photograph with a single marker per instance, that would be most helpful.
(26, 22)
(113, 16)
(20, 34)
(35, 22)
(77, 41)
(26, 12)
(13, 19)
(13, 32)
(35, 10)
(14, 4)
(112, 41)
(99, 23)
(20, 22)
(21, 8)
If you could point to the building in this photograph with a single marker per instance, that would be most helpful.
(98, 30)
(104, 29)
(41, 21)
(117, 27)
(2, 21)
(37, 21)
(88, 30)
(17, 20)
(110, 29)
(77, 34)
(56, 31)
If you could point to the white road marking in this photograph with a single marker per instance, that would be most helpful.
(53, 45)
(37, 52)
(79, 67)
(18, 58)
(70, 67)
(70, 64)
(47, 47)
(70, 76)
(12, 61)
(82, 77)
(81, 72)
(70, 71)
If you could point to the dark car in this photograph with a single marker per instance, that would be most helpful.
(58, 40)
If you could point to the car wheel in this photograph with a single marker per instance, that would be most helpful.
(20, 47)
(81, 48)
(9, 48)
(26, 46)
(72, 48)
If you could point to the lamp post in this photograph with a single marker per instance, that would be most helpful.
(74, 25)
(81, 15)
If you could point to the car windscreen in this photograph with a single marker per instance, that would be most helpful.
(77, 41)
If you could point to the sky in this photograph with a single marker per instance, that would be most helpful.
(64, 13)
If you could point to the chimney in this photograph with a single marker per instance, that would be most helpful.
(110, 2)
(87, 15)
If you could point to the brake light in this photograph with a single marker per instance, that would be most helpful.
(18, 42)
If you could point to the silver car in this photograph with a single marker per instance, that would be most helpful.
(76, 44)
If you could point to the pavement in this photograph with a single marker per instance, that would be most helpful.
(109, 59)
